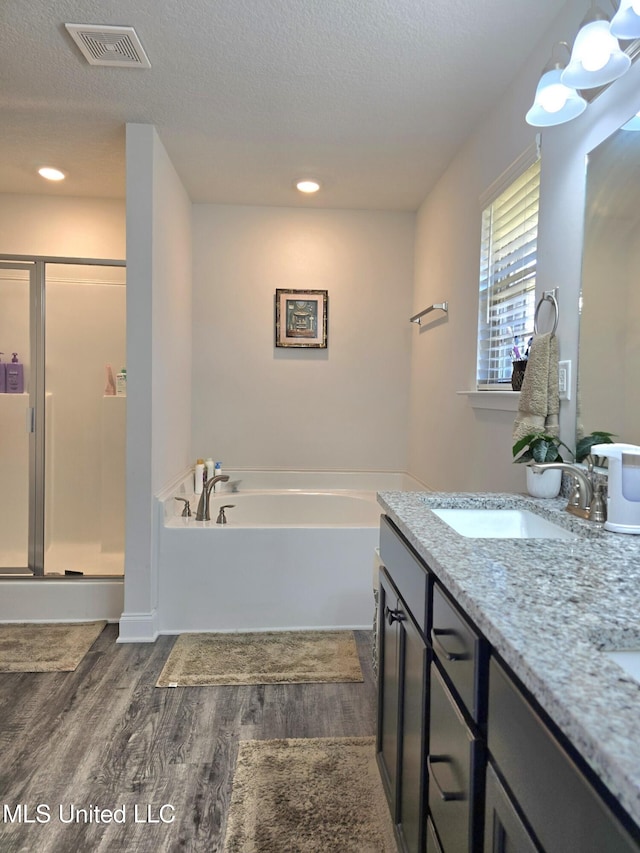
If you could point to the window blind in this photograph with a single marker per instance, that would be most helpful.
(507, 278)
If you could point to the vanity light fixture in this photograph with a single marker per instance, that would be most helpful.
(554, 102)
(51, 174)
(596, 58)
(626, 21)
(595, 61)
(308, 185)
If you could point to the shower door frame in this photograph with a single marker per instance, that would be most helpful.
(36, 266)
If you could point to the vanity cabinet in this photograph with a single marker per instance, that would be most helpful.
(544, 796)
(402, 694)
(504, 830)
(456, 727)
(469, 761)
(455, 765)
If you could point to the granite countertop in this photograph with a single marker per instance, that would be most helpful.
(549, 607)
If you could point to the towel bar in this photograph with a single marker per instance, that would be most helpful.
(547, 296)
(441, 306)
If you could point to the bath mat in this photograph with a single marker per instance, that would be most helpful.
(273, 657)
(46, 647)
(312, 795)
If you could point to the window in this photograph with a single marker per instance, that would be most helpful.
(508, 272)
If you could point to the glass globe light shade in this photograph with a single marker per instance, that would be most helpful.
(596, 58)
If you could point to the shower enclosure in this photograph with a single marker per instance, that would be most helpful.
(62, 438)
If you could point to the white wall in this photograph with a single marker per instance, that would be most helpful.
(62, 226)
(453, 446)
(158, 359)
(258, 406)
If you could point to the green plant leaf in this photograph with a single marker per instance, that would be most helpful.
(522, 443)
(583, 447)
(540, 448)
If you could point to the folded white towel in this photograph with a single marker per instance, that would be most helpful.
(539, 402)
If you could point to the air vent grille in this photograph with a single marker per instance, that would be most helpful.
(104, 45)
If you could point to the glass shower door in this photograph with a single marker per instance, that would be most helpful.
(17, 419)
(84, 502)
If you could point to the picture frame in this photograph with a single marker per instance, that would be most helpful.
(301, 318)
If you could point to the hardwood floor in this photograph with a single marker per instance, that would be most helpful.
(105, 738)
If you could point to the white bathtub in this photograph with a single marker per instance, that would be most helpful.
(288, 508)
(288, 558)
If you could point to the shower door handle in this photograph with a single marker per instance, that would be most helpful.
(31, 419)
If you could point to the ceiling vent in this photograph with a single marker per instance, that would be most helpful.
(102, 45)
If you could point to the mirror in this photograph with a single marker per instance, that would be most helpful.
(609, 345)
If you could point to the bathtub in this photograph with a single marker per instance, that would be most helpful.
(296, 553)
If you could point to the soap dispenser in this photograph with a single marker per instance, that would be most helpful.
(3, 376)
(623, 486)
(14, 376)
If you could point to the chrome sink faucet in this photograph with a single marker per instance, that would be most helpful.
(582, 497)
(202, 513)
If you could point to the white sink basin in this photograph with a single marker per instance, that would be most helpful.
(629, 660)
(502, 524)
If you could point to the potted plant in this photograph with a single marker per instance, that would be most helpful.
(543, 448)
(584, 445)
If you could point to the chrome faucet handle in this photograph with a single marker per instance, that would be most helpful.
(598, 508)
(574, 496)
(222, 518)
(186, 512)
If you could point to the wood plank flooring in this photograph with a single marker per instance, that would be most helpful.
(105, 738)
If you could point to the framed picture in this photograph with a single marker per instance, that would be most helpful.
(301, 318)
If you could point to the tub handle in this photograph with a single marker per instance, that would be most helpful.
(222, 518)
(186, 512)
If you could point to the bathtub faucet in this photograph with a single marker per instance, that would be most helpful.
(202, 513)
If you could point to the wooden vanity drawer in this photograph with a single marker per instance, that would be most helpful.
(462, 654)
(453, 765)
(562, 808)
(408, 573)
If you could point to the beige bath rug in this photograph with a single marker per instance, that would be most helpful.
(313, 795)
(274, 657)
(46, 647)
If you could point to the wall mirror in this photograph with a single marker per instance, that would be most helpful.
(609, 344)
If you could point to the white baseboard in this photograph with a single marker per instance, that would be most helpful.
(138, 627)
(59, 600)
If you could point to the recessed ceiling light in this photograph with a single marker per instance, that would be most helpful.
(51, 174)
(308, 186)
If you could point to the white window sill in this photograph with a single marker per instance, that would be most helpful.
(505, 401)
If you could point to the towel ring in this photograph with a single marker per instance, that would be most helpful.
(547, 297)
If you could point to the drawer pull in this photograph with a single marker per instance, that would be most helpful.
(447, 796)
(444, 632)
(394, 615)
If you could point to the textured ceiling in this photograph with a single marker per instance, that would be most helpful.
(371, 96)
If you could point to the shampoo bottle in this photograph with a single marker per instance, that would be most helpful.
(199, 477)
(14, 376)
(208, 464)
(3, 377)
(218, 469)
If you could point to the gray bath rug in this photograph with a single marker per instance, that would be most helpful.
(46, 647)
(273, 657)
(315, 795)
